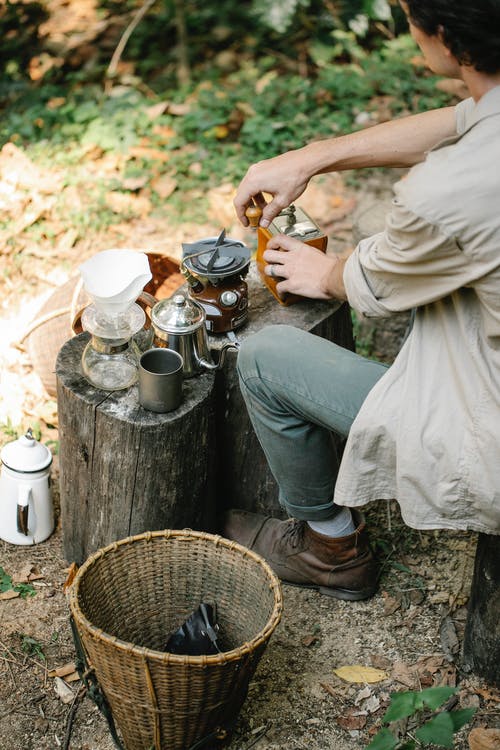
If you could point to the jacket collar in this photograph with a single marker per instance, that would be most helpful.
(487, 106)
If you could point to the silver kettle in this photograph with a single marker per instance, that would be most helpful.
(179, 324)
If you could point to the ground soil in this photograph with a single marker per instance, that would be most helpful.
(411, 629)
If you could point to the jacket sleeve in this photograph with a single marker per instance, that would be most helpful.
(410, 264)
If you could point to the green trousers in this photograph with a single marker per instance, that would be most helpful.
(299, 388)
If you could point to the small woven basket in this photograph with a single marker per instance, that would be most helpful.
(130, 596)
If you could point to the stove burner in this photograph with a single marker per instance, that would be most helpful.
(215, 269)
(212, 261)
(216, 257)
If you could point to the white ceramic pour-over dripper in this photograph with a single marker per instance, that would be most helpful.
(115, 278)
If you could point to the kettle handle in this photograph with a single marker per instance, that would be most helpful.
(23, 499)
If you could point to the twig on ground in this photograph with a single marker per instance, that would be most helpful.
(71, 715)
(115, 59)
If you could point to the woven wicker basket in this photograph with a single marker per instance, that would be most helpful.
(130, 596)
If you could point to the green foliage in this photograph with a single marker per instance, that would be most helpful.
(8, 429)
(23, 589)
(363, 340)
(264, 103)
(32, 647)
(279, 14)
(19, 24)
(437, 730)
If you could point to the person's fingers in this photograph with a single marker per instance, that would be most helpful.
(271, 210)
(275, 270)
(274, 256)
(284, 242)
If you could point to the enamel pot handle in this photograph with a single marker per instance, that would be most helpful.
(23, 499)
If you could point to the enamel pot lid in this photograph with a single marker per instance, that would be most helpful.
(26, 454)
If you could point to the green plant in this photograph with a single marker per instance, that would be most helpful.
(6, 584)
(8, 429)
(363, 337)
(32, 647)
(425, 726)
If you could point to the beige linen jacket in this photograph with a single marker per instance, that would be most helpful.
(428, 433)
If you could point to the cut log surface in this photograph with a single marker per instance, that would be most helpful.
(125, 470)
(482, 632)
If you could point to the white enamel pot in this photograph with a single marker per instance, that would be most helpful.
(26, 509)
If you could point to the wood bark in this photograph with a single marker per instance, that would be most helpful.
(481, 652)
(125, 470)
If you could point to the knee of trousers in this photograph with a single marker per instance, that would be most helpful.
(261, 353)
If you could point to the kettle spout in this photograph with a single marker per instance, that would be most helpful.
(222, 357)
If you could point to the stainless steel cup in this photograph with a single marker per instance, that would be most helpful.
(160, 380)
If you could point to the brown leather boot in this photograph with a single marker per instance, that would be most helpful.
(343, 567)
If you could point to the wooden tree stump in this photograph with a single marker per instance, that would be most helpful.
(243, 476)
(125, 470)
(481, 652)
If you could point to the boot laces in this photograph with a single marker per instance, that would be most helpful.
(294, 533)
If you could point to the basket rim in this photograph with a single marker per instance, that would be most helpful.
(164, 656)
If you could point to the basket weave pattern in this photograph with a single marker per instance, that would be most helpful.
(130, 596)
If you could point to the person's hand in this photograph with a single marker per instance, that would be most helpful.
(303, 269)
(284, 177)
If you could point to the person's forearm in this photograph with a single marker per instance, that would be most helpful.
(398, 143)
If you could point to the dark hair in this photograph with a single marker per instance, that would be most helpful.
(470, 29)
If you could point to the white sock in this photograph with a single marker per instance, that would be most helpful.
(340, 525)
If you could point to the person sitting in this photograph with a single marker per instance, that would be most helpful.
(426, 429)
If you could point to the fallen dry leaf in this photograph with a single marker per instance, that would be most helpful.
(483, 738)
(372, 704)
(47, 412)
(178, 110)
(72, 571)
(125, 203)
(330, 689)
(489, 694)
(360, 673)
(362, 695)
(449, 639)
(308, 640)
(391, 604)
(63, 671)
(431, 663)
(26, 574)
(164, 132)
(164, 186)
(64, 692)
(156, 110)
(404, 674)
(264, 81)
(18, 169)
(380, 662)
(352, 720)
(10, 594)
(147, 152)
(134, 183)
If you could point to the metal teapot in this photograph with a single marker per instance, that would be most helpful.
(26, 510)
(179, 324)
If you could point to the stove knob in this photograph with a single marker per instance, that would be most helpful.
(228, 299)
